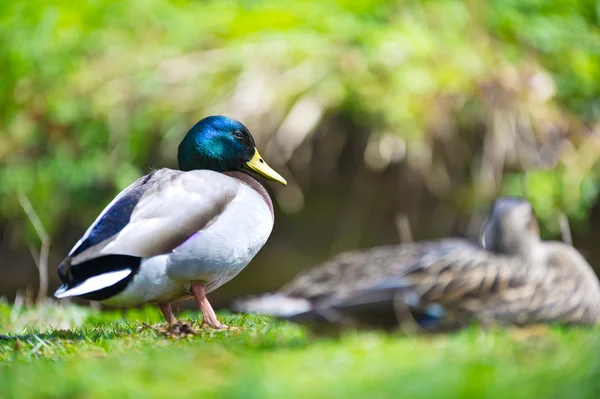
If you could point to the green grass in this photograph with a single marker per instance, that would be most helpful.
(117, 355)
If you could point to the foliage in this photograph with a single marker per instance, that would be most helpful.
(111, 355)
(93, 93)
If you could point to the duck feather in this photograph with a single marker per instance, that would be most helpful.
(174, 206)
(153, 216)
(444, 285)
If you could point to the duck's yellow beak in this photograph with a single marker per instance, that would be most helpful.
(258, 165)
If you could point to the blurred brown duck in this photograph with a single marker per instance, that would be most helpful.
(516, 278)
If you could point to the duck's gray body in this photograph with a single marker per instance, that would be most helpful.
(182, 227)
(447, 284)
(459, 284)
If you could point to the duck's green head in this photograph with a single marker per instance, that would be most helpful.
(223, 144)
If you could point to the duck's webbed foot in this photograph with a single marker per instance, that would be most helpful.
(210, 320)
(217, 326)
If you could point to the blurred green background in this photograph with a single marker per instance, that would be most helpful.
(391, 120)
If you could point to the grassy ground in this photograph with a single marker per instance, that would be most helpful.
(117, 355)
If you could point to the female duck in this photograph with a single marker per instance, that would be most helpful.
(173, 233)
(448, 284)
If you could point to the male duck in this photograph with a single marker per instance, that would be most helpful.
(178, 232)
(447, 284)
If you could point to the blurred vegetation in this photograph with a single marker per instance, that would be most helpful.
(111, 354)
(453, 99)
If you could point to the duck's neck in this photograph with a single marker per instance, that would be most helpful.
(535, 252)
(253, 183)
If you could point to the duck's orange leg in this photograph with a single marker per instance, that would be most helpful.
(208, 313)
(167, 311)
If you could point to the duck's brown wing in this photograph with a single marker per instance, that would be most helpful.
(352, 271)
(448, 288)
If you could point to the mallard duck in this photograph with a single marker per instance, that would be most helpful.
(175, 233)
(516, 278)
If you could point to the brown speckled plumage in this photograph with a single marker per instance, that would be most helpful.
(448, 284)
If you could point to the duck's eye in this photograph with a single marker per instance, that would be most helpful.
(238, 135)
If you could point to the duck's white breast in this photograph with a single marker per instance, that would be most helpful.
(222, 249)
